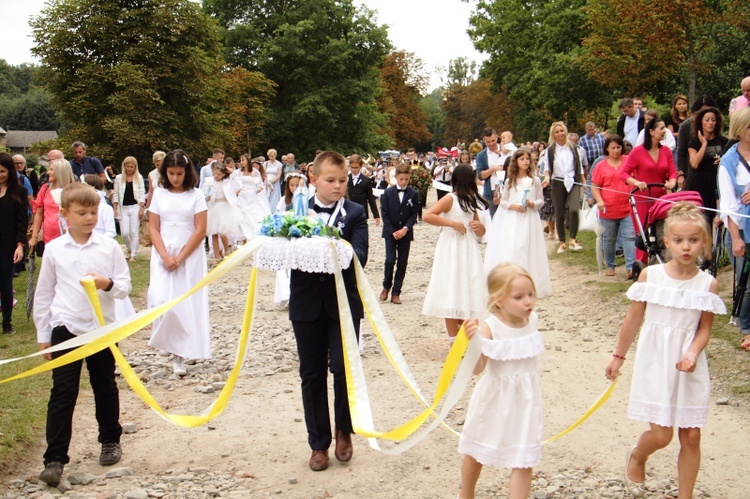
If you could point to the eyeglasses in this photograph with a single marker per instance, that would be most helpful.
(19, 163)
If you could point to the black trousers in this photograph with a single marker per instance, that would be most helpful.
(561, 197)
(6, 286)
(62, 401)
(396, 254)
(319, 348)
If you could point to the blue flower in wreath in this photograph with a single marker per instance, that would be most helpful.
(294, 231)
(265, 230)
(316, 230)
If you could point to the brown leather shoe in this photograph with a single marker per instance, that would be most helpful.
(344, 448)
(319, 460)
(384, 295)
(396, 299)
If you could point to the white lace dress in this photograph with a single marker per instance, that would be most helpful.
(457, 288)
(518, 237)
(253, 204)
(503, 425)
(659, 393)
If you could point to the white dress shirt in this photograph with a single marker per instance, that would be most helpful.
(61, 300)
(728, 202)
(106, 222)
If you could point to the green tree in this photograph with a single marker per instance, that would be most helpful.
(534, 46)
(431, 105)
(29, 111)
(679, 37)
(132, 76)
(324, 57)
(404, 83)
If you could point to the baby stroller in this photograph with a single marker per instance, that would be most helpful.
(650, 234)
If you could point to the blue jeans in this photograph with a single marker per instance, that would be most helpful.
(618, 229)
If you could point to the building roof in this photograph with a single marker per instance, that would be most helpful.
(21, 139)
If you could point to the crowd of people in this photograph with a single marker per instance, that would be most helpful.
(504, 195)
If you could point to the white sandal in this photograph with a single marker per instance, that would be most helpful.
(636, 489)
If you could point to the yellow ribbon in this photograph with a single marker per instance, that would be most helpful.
(459, 362)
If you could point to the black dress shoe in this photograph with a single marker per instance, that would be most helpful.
(8, 328)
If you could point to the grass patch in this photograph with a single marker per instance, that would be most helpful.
(23, 403)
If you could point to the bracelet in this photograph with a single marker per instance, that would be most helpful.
(691, 353)
(111, 283)
(618, 356)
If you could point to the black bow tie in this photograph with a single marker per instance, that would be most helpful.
(400, 190)
(323, 209)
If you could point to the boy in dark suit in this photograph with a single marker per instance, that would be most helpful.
(359, 187)
(314, 313)
(399, 205)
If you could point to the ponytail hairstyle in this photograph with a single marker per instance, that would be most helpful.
(464, 183)
(512, 172)
(499, 280)
(178, 158)
(647, 138)
(683, 211)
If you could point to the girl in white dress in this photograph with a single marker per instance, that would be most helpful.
(503, 425)
(671, 384)
(224, 218)
(516, 233)
(177, 219)
(253, 200)
(281, 292)
(457, 266)
(274, 169)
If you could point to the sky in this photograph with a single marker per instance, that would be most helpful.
(435, 35)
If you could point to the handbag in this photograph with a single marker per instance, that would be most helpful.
(145, 234)
(588, 219)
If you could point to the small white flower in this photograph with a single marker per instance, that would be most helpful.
(409, 202)
(340, 226)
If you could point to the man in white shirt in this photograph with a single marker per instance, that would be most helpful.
(631, 122)
(206, 170)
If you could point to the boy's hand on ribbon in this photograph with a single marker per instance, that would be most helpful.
(44, 346)
(100, 281)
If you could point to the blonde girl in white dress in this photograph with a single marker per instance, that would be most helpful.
(177, 219)
(457, 265)
(503, 425)
(516, 234)
(676, 303)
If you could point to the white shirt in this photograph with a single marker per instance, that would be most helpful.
(106, 222)
(564, 166)
(667, 141)
(631, 127)
(728, 202)
(60, 299)
(206, 172)
(493, 159)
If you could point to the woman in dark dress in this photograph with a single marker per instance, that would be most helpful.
(14, 212)
(705, 148)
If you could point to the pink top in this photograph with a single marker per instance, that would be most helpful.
(48, 210)
(614, 190)
(640, 166)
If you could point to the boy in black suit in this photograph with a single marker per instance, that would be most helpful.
(314, 313)
(399, 205)
(359, 187)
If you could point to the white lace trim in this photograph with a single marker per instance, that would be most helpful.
(521, 456)
(688, 299)
(673, 417)
(523, 347)
(308, 254)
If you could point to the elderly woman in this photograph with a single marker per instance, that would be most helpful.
(47, 211)
(274, 170)
(734, 200)
(562, 165)
(611, 195)
(129, 204)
